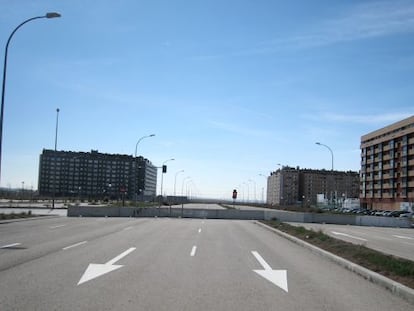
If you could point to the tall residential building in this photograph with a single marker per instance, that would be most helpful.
(283, 186)
(95, 175)
(288, 186)
(387, 167)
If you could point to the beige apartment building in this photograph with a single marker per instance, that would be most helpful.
(289, 186)
(387, 167)
(283, 186)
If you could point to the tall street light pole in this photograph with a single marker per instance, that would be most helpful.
(265, 177)
(139, 140)
(137, 181)
(162, 173)
(332, 156)
(3, 89)
(252, 181)
(175, 181)
(56, 136)
(182, 195)
(57, 127)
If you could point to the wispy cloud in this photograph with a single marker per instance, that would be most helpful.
(362, 21)
(363, 119)
(365, 20)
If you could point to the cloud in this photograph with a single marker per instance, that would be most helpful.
(362, 119)
(363, 21)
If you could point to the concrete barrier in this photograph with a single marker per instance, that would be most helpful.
(374, 221)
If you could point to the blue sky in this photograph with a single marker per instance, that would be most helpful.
(230, 88)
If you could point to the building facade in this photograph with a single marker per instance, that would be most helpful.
(289, 186)
(283, 187)
(95, 175)
(387, 167)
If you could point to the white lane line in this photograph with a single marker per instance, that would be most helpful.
(349, 236)
(58, 226)
(74, 245)
(199, 230)
(403, 237)
(10, 245)
(193, 251)
(127, 228)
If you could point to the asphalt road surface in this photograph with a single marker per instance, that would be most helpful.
(394, 241)
(171, 264)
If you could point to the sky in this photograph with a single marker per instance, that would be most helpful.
(230, 88)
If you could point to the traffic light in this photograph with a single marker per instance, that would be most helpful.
(234, 194)
(164, 169)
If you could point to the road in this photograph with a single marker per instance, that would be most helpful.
(171, 264)
(394, 241)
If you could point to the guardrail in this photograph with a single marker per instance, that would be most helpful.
(89, 211)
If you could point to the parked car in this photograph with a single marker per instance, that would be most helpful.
(398, 213)
(409, 215)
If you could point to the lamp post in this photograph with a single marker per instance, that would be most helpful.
(254, 192)
(332, 156)
(162, 173)
(182, 195)
(3, 90)
(175, 181)
(139, 140)
(265, 177)
(57, 127)
(137, 181)
(332, 167)
(56, 136)
(248, 191)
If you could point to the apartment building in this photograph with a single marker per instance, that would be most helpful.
(95, 175)
(289, 186)
(387, 167)
(283, 186)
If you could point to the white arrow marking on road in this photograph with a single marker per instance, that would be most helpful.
(348, 235)
(96, 270)
(277, 277)
(10, 245)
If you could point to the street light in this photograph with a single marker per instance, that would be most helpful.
(320, 144)
(139, 140)
(57, 126)
(175, 181)
(252, 181)
(162, 172)
(248, 191)
(263, 200)
(56, 135)
(3, 90)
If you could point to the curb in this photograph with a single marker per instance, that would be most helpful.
(396, 288)
(7, 221)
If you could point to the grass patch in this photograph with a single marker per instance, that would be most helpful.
(398, 269)
(16, 215)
